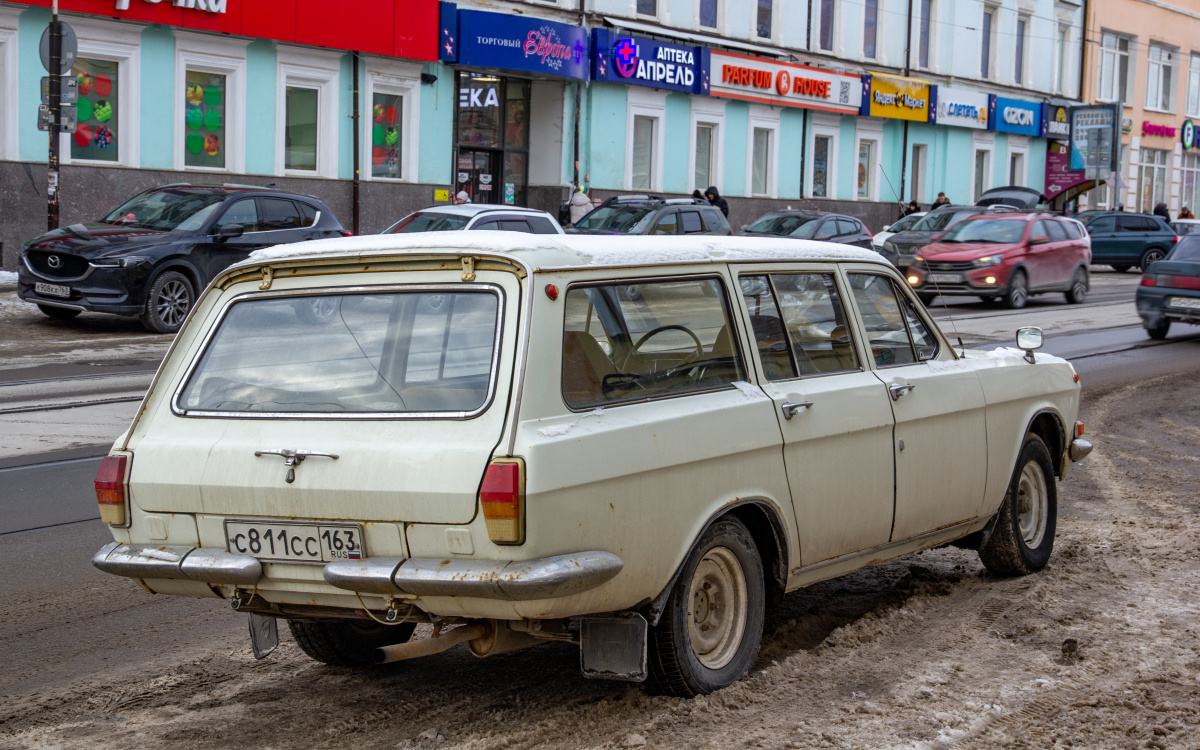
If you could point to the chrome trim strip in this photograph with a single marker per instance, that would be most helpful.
(178, 563)
(49, 303)
(35, 272)
(517, 387)
(889, 545)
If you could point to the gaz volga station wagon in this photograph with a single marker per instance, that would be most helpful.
(628, 444)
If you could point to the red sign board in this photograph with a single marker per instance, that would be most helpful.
(1059, 177)
(787, 84)
(395, 28)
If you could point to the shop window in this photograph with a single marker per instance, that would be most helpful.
(643, 153)
(479, 111)
(923, 20)
(1114, 68)
(204, 119)
(1190, 182)
(825, 39)
(760, 177)
(704, 157)
(708, 14)
(387, 113)
(866, 160)
(983, 162)
(870, 26)
(1016, 169)
(493, 138)
(822, 148)
(300, 128)
(1152, 182)
(96, 139)
(1159, 78)
(765, 11)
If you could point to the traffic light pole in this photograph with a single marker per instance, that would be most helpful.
(55, 118)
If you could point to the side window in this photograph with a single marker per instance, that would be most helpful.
(846, 226)
(308, 214)
(1058, 231)
(816, 323)
(514, 225)
(883, 319)
(668, 223)
(632, 341)
(1133, 224)
(713, 218)
(278, 213)
(541, 225)
(769, 336)
(691, 222)
(1041, 227)
(243, 212)
(490, 226)
(1103, 225)
(826, 231)
(924, 341)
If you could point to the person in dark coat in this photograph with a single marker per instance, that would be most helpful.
(1161, 210)
(697, 195)
(913, 208)
(714, 197)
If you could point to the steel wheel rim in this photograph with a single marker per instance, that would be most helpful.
(1080, 288)
(717, 608)
(1033, 504)
(1018, 292)
(173, 302)
(1152, 257)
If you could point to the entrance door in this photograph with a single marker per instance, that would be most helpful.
(479, 175)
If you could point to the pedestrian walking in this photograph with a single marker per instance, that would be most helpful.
(581, 205)
(1161, 210)
(462, 197)
(942, 200)
(714, 197)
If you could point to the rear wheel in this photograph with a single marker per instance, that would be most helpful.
(1121, 267)
(1150, 256)
(1017, 293)
(711, 628)
(1079, 287)
(346, 643)
(168, 302)
(1159, 329)
(1023, 537)
(58, 313)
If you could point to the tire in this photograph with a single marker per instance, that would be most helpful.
(169, 299)
(58, 313)
(1150, 256)
(1159, 330)
(1121, 267)
(1017, 293)
(1079, 287)
(1023, 537)
(317, 311)
(926, 299)
(346, 643)
(720, 588)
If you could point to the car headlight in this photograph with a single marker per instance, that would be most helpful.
(989, 260)
(129, 262)
(889, 246)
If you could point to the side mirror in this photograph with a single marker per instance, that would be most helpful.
(229, 231)
(1038, 239)
(1029, 339)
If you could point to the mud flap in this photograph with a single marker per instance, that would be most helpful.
(264, 635)
(614, 648)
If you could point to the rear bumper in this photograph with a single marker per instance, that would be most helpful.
(179, 563)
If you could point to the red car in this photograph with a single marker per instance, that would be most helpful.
(1005, 257)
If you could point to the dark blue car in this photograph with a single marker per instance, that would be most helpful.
(1170, 289)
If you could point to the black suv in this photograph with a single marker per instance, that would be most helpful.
(653, 214)
(154, 254)
(1123, 240)
(811, 225)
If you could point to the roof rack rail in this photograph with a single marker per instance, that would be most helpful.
(633, 199)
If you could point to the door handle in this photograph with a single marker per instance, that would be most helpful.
(293, 457)
(897, 390)
(790, 408)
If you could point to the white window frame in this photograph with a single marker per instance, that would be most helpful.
(983, 141)
(827, 126)
(119, 43)
(917, 182)
(660, 13)
(1115, 54)
(870, 130)
(652, 103)
(9, 142)
(722, 26)
(1024, 41)
(776, 22)
(835, 45)
(1062, 38)
(993, 36)
(1151, 68)
(707, 110)
(880, 10)
(313, 69)
(223, 56)
(393, 77)
(763, 118)
(1018, 145)
(1192, 102)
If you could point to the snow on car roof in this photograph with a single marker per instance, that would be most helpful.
(546, 251)
(473, 209)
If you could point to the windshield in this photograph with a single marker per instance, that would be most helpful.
(427, 221)
(1188, 249)
(380, 353)
(985, 230)
(906, 223)
(166, 210)
(936, 222)
(784, 225)
(618, 219)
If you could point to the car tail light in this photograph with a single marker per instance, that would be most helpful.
(1176, 239)
(1154, 279)
(1171, 281)
(347, 233)
(110, 489)
(502, 496)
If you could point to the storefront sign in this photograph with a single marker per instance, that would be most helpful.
(1059, 176)
(1057, 121)
(756, 79)
(508, 42)
(1094, 138)
(1189, 134)
(898, 98)
(212, 6)
(961, 108)
(1018, 116)
(1149, 128)
(647, 62)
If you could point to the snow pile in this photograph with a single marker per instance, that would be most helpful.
(8, 277)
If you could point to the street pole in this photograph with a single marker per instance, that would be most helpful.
(907, 72)
(355, 194)
(55, 121)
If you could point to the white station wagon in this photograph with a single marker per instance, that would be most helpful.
(632, 444)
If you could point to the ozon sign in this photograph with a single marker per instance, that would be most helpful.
(212, 6)
(772, 82)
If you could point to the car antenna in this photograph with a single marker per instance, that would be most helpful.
(899, 200)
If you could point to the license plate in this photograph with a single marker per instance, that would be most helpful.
(295, 542)
(1192, 303)
(54, 290)
(945, 278)
(902, 262)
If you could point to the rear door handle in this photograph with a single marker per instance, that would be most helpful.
(897, 390)
(790, 408)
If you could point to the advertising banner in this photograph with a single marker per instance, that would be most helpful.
(1094, 138)
(508, 42)
(1058, 121)
(1059, 176)
(635, 60)
(961, 108)
(897, 97)
(756, 79)
(1017, 116)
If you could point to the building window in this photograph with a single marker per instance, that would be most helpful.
(1060, 59)
(870, 24)
(985, 42)
(1158, 78)
(765, 8)
(825, 40)
(1190, 182)
(866, 153)
(204, 119)
(822, 148)
(923, 32)
(1193, 89)
(1019, 52)
(97, 109)
(1152, 178)
(647, 7)
(643, 153)
(708, 14)
(983, 162)
(1114, 69)
(387, 118)
(300, 128)
(704, 157)
(761, 170)
(1016, 169)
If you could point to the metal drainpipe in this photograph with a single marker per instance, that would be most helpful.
(907, 72)
(1083, 43)
(803, 147)
(354, 192)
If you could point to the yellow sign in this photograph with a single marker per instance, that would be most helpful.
(899, 98)
(441, 195)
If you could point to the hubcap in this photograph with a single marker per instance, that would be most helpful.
(718, 608)
(1018, 292)
(1033, 504)
(1151, 257)
(174, 301)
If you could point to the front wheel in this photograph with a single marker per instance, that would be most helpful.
(1079, 287)
(346, 643)
(1023, 536)
(710, 631)
(169, 299)
(1159, 329)
(1017, 293)
(58, 313)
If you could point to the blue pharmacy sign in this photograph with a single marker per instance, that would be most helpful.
(507, 42)
(1017, 116)
(621, 58)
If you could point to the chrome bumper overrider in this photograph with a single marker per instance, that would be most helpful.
(545, 578)
(1079, 449)
(186, 563)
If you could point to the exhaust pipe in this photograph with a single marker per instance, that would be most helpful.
(483, 637)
